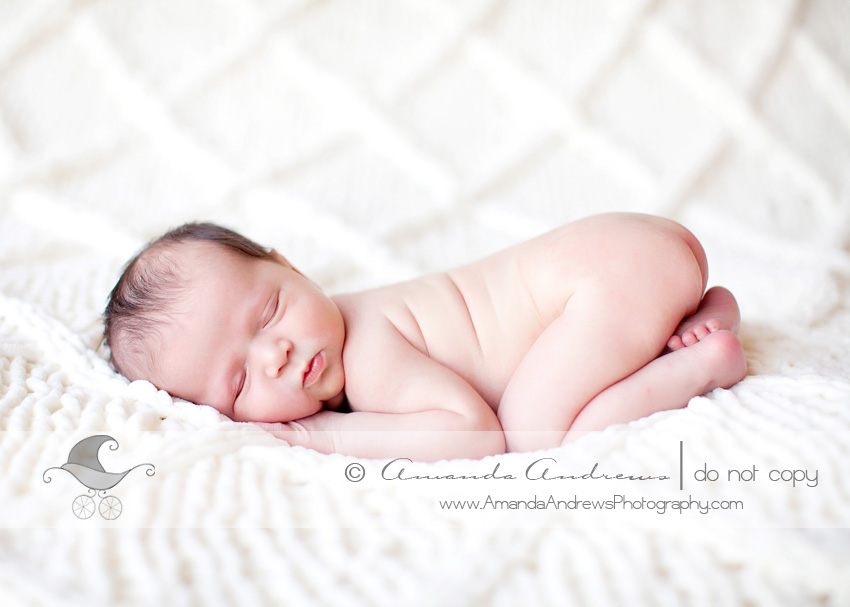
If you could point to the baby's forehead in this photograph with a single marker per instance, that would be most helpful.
(210, 265)
(199, 251)
(204, 261)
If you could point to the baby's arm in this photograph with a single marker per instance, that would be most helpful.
(422, 436)
(417, 408)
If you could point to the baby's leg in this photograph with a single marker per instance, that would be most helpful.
(639, 277)
(716, 360)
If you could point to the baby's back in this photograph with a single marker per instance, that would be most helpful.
(478, 320)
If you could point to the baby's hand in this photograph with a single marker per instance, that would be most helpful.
(272, 426)
(319, 431)
(429, 435)
(293, 433)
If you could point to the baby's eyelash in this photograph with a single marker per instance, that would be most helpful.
(240, 384)
(271, 314)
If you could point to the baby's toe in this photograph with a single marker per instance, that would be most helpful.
(700, 331)
(713, 325)
(688, 338)
(675, 343)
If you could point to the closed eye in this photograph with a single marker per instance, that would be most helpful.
(271, 310)
(240, 385)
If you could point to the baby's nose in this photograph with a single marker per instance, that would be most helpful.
(275, 354)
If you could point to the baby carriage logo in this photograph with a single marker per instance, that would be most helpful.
(85, 466)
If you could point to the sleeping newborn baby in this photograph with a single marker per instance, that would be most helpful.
(599, 322)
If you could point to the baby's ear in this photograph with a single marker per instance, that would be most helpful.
(285, 262)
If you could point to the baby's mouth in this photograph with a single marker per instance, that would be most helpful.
(311, 373)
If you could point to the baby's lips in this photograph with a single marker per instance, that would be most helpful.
(314, 368)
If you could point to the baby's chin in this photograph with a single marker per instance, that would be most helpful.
(335, 402)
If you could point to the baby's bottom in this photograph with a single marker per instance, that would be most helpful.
(598, 363)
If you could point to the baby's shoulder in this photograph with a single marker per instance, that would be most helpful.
(381, 348)
(366, 313)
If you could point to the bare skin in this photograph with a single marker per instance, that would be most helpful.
(599, 322)
(710, 356)
(718, 310)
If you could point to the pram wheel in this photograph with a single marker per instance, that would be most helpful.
(110, 507)
(83, 506)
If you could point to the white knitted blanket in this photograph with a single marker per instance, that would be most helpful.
(372, 141)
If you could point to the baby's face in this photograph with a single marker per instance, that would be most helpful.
(254, 339)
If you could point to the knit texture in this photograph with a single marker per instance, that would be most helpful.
(374, 141)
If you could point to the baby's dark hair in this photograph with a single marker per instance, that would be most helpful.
(148, 289)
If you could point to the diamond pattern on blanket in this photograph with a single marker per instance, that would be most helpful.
(352, 39)
(155, 182)
(826, 21)
(65, 67)
(642, 94)
(282, 120)
(8, 151)
(565, 43)
(366, 189)
(194, 36)
(569, 178)
(798, 83)
(737, 39)
(473, 117)
(751, 183)
(370, 141)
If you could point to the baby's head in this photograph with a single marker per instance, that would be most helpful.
(212, 317)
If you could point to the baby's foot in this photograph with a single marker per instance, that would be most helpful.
(715, 361)
(717, 311)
